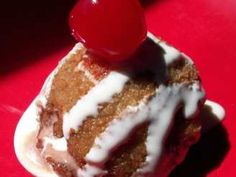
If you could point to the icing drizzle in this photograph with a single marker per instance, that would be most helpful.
(88, 104)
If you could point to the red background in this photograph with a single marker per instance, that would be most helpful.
(34, 36)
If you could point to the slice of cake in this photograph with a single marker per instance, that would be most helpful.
(93, 119)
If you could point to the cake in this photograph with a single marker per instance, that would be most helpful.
(122, 103)
(96, 119)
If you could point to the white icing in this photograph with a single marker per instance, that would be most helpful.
(191, 98)
(88, 104)
(58, 144)
(216, 109)
(89, 75)
(187, 57)
(170, 53)
(210, 115)
(24, 143)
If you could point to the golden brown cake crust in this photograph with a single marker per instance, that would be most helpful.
(182, 71)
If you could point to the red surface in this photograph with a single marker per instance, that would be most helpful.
(36, 37)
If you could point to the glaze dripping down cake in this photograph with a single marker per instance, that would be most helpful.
(92, 119)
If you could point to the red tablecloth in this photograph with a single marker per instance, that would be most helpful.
(35, 37)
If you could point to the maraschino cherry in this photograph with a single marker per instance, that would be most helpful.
(110, 29)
